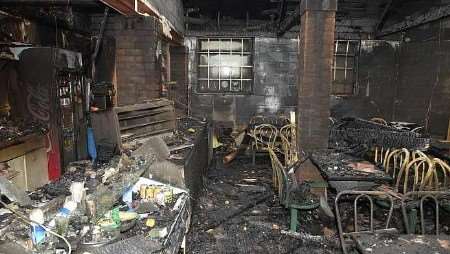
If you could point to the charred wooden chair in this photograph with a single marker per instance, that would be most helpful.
(264, 138)
(288, 137)
(418, 174)
(285, 187)
(396, 160)
(347, 238)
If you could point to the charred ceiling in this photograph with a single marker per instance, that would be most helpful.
(280, 16)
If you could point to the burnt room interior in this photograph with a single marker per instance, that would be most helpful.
(224, 126)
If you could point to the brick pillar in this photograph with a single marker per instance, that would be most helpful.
(315, 60)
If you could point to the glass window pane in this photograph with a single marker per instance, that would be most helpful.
(214, 72)
(230, 60)
(214, 45)
(236, 45)
(203, 72)
(340, 61)
(225, 45)
(214, 86)
(203, 59)
(353, 48)
(247, 45)
(246, 60)
(214, 59)
(235, 73)
(225, 72)
(339, 75)
(235, 85)
(224, 85)
(203, 45)
(342, 47)
(203, 85)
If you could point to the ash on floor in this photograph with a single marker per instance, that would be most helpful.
(238, 212)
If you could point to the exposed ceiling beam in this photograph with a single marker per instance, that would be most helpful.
(383, 16)
(281, 12)
(289, 22)
(88, 3)
(417, 19)
(142, 7)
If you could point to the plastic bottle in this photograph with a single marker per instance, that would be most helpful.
(65, 212)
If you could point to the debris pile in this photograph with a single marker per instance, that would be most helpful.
(13, 130)
(349, 132)
(102, 208)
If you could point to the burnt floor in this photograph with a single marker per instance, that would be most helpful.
(231, 217)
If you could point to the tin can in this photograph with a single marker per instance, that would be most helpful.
(150, 193)
(157, 191)
(142, 191)
(168, 196)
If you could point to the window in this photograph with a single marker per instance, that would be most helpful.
(225, 65)
(345, 67)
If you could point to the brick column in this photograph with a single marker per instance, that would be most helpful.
(315, 59)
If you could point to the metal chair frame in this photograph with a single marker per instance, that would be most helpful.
(264, 137)
(367, 195)
(423, 195)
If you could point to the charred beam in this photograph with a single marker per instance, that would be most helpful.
(282, 12)
(417, 19)
(380, 22)
(289, 22)
(77, 24)
(87, 3)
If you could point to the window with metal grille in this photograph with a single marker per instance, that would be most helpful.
(345, 67)
(225, 65)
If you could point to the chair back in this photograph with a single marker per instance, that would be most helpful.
(396, 160)
(421, 171)
(281, 178)
(358, 196)
(265, 136)
(416, 199)
(288, 137)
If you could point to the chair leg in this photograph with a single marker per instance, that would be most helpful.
(253, 157)
(412, 221)
(294, 220)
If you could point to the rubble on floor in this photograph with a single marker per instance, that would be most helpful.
(240, 213)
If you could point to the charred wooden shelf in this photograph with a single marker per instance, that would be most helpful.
(21, 146)
(146, 119)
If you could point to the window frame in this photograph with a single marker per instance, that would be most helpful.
(220, 53)
(354, 68)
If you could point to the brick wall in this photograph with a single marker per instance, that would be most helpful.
(178, 72)
(137, 67)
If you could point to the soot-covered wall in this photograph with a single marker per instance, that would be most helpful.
(376, 83)
(274, 88)
(407, 81)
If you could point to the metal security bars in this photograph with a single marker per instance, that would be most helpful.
(345, 67)
(225, 65)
